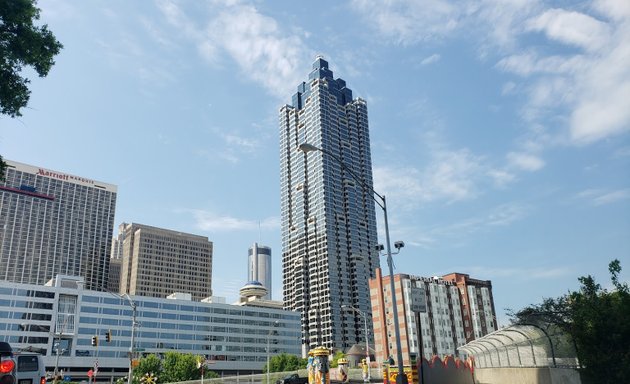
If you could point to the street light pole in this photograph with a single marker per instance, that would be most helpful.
(56, 372)
(268, 337)
(367, 345)
(61, 329)
(401, 378)
(133, 306)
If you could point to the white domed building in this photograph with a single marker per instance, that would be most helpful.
(252, 293)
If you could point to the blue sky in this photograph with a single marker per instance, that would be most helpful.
(499, 129)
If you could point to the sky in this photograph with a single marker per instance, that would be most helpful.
(499, 128)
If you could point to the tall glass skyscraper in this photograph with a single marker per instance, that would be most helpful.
(54, 223)
(328, 216)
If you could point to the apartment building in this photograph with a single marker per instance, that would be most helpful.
(436, 314)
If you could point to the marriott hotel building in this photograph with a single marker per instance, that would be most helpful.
(54, 223)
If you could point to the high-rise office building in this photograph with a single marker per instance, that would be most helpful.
(328, 213)
(437, 314)
(158, 262)
(259, 267)
(115, 262)
(53, 223)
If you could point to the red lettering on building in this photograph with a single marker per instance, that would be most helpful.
(62, 176)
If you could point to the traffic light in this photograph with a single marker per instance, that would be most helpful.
(108, 335)
(95, 341)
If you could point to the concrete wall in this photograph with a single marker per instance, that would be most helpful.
(535, 375)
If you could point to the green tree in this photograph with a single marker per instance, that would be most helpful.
(3, 167)
(179, 367)
(210, 374)
(597, 321)
(285, 363)
(22, 44)
(174, 367)
(149, 364)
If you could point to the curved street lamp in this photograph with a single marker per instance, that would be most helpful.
(401, 378)
(134, 306)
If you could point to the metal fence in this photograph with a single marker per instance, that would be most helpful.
(524, 345)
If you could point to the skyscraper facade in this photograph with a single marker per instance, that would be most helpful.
(54, 223)
(259, 266)
(328, 213)
(158, 262)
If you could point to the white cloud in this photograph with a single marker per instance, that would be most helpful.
(508, 88)
(264, 52)
(434, 58)
(603, 197)
(209, 221)
(525, 161)
(499, 23)
(451, 176)
(499, 216)
(407, 22)
(501, 177)
(572, 28)
(586, 88)
(614, 9)
(601, 108)
(243, 143)
(529, 63)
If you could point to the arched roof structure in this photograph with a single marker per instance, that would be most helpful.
(522, 345)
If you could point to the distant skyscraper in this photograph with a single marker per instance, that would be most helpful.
(328, 217)
(115, 262)
(259, 266)
(54, 223)
(157, 262)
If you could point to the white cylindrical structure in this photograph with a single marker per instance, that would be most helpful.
(259, 266)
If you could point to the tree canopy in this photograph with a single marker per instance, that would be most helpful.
(285, 363)
(173, 367)
(22, 44)
(597, 321)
